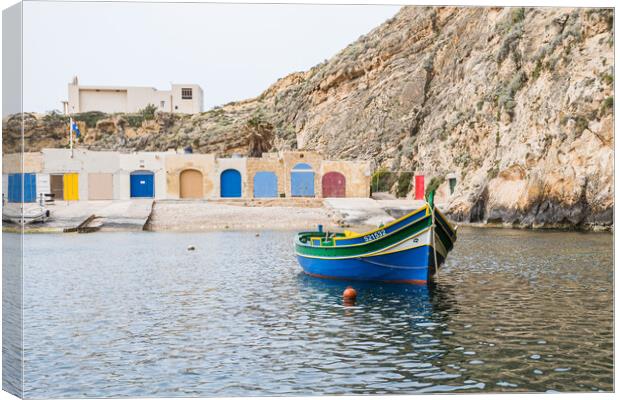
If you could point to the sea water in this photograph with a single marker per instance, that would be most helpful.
(137, 314)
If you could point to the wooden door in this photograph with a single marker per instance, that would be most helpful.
(191, 184)
(57, 187)
(334, 184)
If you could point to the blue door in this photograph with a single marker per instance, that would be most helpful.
(30, 188)
(265, 184)
(230, 183)
(15, 188)
(29, 185)
(302, 181)
(142, 184)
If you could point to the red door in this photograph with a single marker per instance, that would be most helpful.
(419, 187)
(334, 185)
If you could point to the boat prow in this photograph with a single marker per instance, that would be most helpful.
(407, 250)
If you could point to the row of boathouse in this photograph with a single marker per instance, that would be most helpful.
(79, 174)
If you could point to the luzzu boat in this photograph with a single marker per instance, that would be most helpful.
(407, 250)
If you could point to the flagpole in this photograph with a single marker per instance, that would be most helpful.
(71, 135)
(70, 127)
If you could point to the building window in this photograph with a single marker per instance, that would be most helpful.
(162, 104)
(186, 93)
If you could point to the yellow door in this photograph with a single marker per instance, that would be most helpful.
(70, 183)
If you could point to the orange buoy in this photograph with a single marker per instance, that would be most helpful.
(349, 293)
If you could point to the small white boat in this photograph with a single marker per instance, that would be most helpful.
(30, 214)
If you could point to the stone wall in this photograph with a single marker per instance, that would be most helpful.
(356, 173)
(12, 163)
(238, 163)
(272, 164)
(168, 166)
(153, 162)
(205, 163)
(60, 161)
(292, 158)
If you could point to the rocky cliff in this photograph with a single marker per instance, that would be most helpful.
(518, 103)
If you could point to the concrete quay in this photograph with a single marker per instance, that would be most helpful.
(109, 215)
(223, 214)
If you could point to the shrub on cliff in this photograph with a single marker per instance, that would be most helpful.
(434, 184)
(134, 120)
(404, 184)
(54, 117)
(382, 180)
(148, 112)
(260, 134)
(90, 118)
(607, 106)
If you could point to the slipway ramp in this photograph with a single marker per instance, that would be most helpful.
(104, 215)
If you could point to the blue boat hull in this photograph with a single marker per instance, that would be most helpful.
(414, 265)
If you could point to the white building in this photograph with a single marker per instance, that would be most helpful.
(185, 98)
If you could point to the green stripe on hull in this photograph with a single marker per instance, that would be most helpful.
(345, 251)
(326, 249)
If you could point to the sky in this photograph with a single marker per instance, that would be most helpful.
(234, 51)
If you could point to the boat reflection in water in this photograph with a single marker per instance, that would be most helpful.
(392, 338)
(421, 299)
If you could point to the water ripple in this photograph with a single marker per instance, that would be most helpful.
(135, 314)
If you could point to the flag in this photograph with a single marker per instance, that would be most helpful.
(75, 128)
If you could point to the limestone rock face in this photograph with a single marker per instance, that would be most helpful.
(516, 103)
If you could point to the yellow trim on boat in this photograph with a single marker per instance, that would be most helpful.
(387, 226)
(382, 237)
(350, 234)
(398, 243)
(384, 251)
(376, 252)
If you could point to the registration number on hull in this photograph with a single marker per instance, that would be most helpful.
(375, 235)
